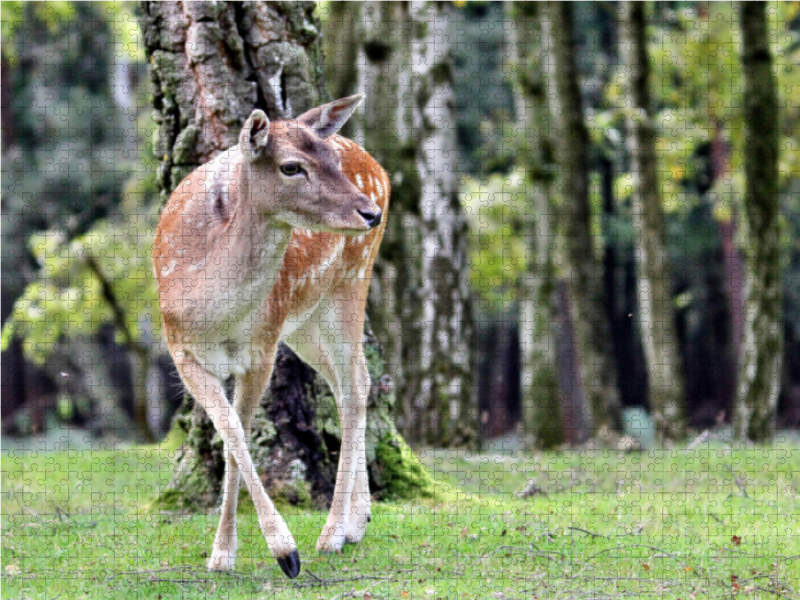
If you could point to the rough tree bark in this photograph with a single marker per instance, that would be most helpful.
(542, 403)
(423, 303)
(759, 373)
(212, 64)
(574, 218)
(656, 308)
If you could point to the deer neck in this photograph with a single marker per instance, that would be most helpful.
(252, 246)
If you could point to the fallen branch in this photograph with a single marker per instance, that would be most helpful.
(586, 531)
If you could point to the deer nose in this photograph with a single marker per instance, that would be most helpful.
(373, 219)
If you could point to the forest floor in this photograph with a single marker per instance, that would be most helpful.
(708, 522)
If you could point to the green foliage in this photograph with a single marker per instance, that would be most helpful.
(67, 298)
(68, 146)
(696, 78)
(495, 209)
(80, 227)
(59, 15)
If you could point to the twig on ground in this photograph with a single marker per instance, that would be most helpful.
(354, 593)
(315, 577)
(530, 551)
(177, 581)
(586, 531)
(319, 581)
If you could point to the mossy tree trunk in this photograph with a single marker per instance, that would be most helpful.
(420, 293)
(759, 372)
(212, 64)
(577, 244)
(656, 307)
(542, 403)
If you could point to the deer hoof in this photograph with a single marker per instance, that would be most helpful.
(290, 564)
(222, 562)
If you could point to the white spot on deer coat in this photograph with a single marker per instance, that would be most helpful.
(169, 268)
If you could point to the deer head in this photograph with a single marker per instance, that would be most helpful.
(293, 173)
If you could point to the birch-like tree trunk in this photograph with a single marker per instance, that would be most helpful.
(583, 271)
(759, 375)
(212, 64)
(656, 308)
(420, 298)
(542, 410)
(385, 80)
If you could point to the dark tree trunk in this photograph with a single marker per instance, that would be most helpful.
(620, 288)
(212, 64)
(582, 271)
(732, 275)
(572, 408)
(759, 373)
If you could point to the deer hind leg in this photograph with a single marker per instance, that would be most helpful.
(248, 392)
(207, 390)
(334, 351)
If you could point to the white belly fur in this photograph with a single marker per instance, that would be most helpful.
(229, 350)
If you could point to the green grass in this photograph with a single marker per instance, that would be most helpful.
(605, 525)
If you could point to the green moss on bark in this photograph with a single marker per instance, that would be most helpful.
(397, 472)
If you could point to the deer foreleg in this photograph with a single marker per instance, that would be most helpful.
(248, 392)
(207, 390)
(223, 552)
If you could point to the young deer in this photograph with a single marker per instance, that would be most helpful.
(271, 241)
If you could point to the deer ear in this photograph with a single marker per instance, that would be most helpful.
(253, 139)
(329, 118)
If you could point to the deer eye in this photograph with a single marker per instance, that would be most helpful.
(291, 168)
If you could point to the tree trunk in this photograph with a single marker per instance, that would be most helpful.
(583, 270)
(759, 373)
(542, 410)
(386, 122)
(726, 209)
(421, 295)
(656, 312)
(344, 57)
(212, 64)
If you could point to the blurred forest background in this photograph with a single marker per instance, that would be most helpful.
(578, 247)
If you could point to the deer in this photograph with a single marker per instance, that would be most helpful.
(273, 241)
